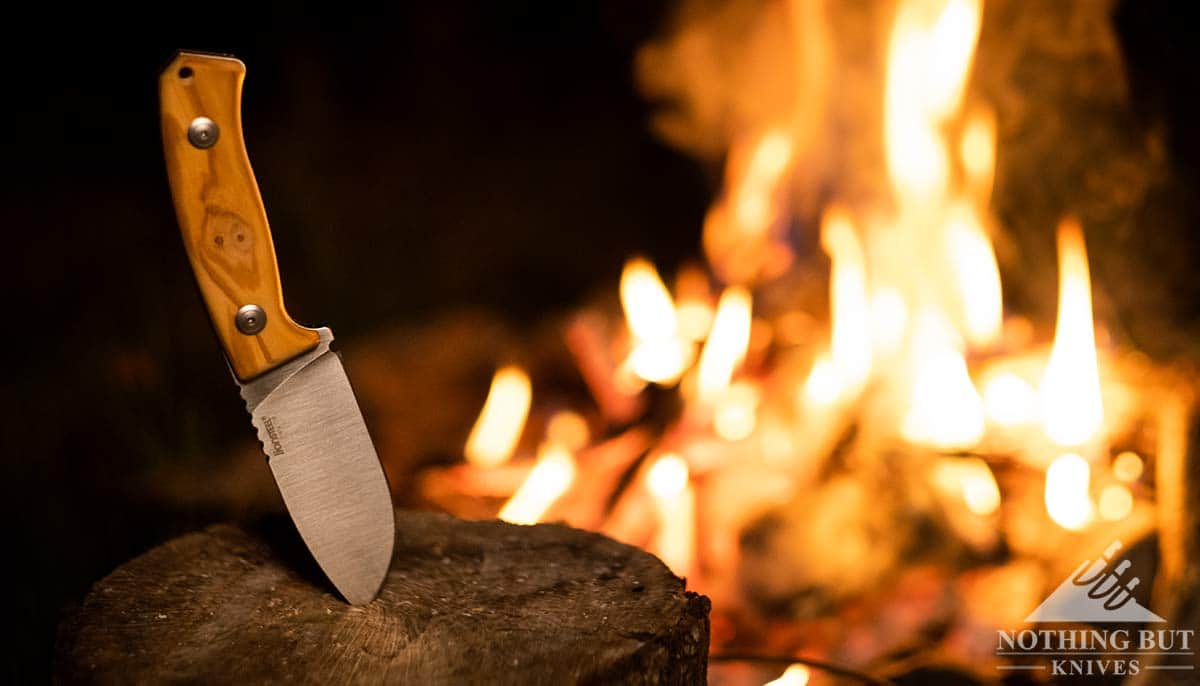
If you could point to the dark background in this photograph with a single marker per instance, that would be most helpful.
(421, 158)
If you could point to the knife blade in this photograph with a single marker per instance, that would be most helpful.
(294, 386)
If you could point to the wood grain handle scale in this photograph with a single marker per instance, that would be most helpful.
(221, 212)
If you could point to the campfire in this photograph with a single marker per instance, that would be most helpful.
(832, 423)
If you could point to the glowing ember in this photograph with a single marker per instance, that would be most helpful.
(851, 341)
(726, 345)
(568, 429)
(825, 384)
(502, 419)
(549, 478)
(944, 409)
(977, 150)
(695, 312)
(668, 477)
(1070, 392)
(667, 481)
(980, 491)
(1010, 400)
(658, 354)
(1115, 502)
(977, 274)
(1128, 467)
(1067, 482)
(971, 478)
(795, 675)
(736, 413)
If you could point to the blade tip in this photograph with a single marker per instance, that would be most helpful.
(359, 594)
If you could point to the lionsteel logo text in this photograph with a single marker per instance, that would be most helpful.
(1098, 592)
(273, 434)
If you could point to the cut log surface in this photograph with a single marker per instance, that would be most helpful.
(465, 602)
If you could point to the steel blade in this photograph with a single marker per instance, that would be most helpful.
(326, 468)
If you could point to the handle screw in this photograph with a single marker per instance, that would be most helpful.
(203, 132)
(250, 319)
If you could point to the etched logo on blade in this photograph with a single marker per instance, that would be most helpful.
(273, 433)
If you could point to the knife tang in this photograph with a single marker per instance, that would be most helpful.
(221, 214)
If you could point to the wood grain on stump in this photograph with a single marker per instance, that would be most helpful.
(465, 602)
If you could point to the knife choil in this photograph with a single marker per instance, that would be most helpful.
(293, 384)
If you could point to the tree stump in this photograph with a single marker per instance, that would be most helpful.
(465, 602)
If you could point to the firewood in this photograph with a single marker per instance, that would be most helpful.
(585, 338)
(465, 602)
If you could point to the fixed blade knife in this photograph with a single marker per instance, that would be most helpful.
(293, 384)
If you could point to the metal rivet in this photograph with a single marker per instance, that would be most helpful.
(203, 132)
(250, 319)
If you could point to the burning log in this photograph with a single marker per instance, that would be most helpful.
(585, 339)
(465, 602)
(601, 469)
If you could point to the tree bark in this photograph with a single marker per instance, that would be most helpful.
(465, 602)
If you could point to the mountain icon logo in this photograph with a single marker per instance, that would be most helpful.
(1098, 591)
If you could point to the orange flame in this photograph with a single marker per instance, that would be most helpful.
(851, 338)
(727, 343)
(1010, 400)
(667, 481)
(1066, 495)
(889, 319)
(794, 675)
(494, 437)
(977, 152)
(977, 274)
(944, 409)
(931, 48)
(824, 385)
(658, 354)
(649, 310)
(1070, 394)
(929, 58)
(737, 228)
(753, 193)
(952, 41)
(550, 477)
